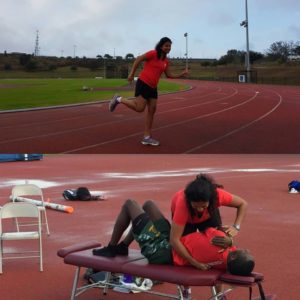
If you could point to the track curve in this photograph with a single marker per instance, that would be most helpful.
(213, 117)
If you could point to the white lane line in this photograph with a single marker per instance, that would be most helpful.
(237, 129)
(203, 103)
(90, 113)
(62, 132)
(161, 127)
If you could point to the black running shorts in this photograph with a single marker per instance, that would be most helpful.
(144, 90)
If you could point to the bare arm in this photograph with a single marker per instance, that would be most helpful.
(135, 65)
(169, 74)
(176, 233)
(241, 205)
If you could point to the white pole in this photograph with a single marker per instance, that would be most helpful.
(247, 43)
(186, 51)
(74, 54)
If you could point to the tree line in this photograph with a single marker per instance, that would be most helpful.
(280, 52)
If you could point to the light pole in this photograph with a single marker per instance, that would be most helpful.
(186, 51)
(74, 50)
(245, 24)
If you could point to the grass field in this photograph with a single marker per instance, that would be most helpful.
(28, 93)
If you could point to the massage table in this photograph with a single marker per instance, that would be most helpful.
(80, 255)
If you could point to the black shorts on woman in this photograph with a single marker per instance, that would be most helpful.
(144, 90)
(153, 238)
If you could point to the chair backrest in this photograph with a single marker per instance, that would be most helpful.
(26, 189)
(18, 210)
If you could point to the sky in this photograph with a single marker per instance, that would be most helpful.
(118, 27)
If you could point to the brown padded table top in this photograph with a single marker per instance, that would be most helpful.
(135, 264)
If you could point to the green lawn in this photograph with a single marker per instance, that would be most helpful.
(27, 93)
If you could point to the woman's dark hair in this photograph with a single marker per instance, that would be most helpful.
(202, 189)
(240, 263)
(160, 44)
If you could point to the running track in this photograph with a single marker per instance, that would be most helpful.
(270, 230)
(213, 117)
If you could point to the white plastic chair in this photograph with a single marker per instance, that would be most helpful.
(20, 210)
(27, 190)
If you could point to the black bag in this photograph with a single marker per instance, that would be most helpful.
(81, 194)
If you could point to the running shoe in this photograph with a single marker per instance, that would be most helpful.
(150, 141)
(108, 251)
(136, 283)
(293, 191)
(113, 103)
(122, 249)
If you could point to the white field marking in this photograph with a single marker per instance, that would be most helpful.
(202, 103)
(157, 174)
(48, 184)
(148, 175)
(237, 129)
(217, 92)
(264, 170)
(38, 182)
(161, 127)
(194, 171)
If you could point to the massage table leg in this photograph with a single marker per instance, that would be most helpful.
(75, 283)
(218, 295)
(107, 280)
(214, 293)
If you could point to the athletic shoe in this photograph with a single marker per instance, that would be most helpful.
(293, 191)
(150, 141)
(186, 292)
(109, 251)
(122, 249)
(113, 103)
(137, 283)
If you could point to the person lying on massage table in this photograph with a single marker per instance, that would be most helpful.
(215, 249)
(211, 248)
(149, 228)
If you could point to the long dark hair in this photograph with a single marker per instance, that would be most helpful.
(202, 188)
(160, 44)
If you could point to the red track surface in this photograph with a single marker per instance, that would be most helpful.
(213, 117)
(270, 231)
